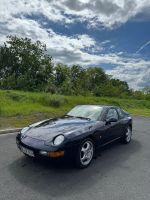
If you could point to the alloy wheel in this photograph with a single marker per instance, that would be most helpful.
(87, 151)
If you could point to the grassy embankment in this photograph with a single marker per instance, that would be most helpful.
(18, 109)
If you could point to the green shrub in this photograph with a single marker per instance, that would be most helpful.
(1, 111)
(53, 101)
(115, 103)
(14, 96)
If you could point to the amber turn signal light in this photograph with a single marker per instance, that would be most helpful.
(56, 154)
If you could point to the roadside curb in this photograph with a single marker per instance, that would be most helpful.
(6, 131)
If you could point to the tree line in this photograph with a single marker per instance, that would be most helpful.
(27, 65)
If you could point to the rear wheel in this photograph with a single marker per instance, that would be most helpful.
(128, 136)
(85, 153)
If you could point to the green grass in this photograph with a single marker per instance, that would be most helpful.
(19, 108)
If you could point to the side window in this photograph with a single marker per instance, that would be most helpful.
(121, 115)
(112, 113)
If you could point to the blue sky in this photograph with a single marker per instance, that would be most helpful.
(114, 35)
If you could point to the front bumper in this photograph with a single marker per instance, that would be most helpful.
(37, 148)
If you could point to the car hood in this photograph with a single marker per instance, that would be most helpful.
(48, 129)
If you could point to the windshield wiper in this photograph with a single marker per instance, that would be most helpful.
(83, 117)
(68, 115)
(77, 117)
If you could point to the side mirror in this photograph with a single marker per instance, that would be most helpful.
(108, 121)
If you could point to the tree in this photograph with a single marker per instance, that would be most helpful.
(77, 76)
(146, 89)
(96, 77)
(24, 65)
(62, 79)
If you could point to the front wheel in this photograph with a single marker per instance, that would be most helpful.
(128, 136)
(85, 153)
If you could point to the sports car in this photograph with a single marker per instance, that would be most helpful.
(77, 135)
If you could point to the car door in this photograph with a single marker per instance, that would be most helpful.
(123, 119)
(112, 129)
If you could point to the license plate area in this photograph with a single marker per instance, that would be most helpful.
(27, 151)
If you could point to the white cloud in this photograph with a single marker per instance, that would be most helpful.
(107, 13)
(135, 72)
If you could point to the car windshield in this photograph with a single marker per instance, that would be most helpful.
(84, 111)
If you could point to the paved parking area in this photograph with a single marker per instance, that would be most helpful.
(122, 172)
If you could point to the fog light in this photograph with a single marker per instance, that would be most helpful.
(43, 153)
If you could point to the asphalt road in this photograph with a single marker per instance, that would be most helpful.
(122, 172)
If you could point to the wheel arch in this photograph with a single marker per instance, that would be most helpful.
(92, 138)
(130, 125)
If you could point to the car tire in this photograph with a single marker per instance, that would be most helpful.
(126, 139)
(85, 153)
